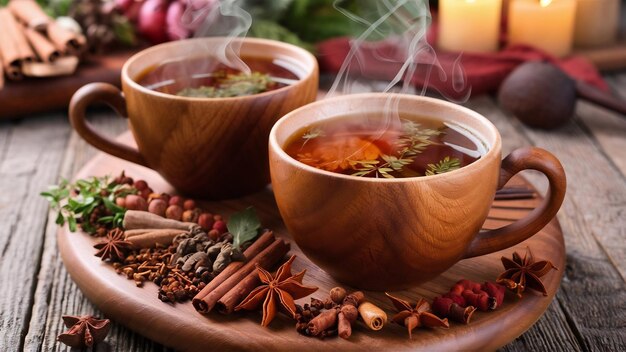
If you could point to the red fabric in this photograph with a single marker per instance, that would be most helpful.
(483, 72)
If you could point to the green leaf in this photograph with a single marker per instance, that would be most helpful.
(48, 195)
(60, 220)
(106, 219)
(123, 30)
(112, 206)
(446, 164)
(244, 226)
(71, 221)
(92, 193)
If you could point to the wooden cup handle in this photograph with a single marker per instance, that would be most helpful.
(112, 96)
(522, 159)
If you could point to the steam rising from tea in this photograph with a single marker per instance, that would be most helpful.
(221, 71)
(408, 147)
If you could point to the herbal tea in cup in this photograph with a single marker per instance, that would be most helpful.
(201, 124)
(386, 198)
(381, 145)
(206, 77)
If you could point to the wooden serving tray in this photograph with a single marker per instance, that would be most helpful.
(181, 327)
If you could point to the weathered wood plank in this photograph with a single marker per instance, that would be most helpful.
(56, 293)
(552, 326)
(593, 222)
(607, 128)
(30, 160)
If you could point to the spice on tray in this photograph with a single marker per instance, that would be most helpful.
(333, 316)
(114, 248)
(278, 290)
(419, 315)
(524, 272)
(146, 238)
(99, 204)
(466, 293)
(373, 317)
(341, 312)
(90, 203)
(446, 307)
(137, 219)
(306, 313)
(84, 331)
(265, 252)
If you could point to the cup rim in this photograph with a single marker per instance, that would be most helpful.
(493, 151)
(312, 68)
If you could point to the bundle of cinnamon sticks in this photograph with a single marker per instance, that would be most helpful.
(33, 44)
(235, 282)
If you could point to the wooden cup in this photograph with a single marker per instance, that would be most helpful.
(212, 148)
(389, 234)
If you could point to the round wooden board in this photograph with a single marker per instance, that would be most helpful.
(181, 327)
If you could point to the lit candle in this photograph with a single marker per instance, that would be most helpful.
(469, 25)
(597, 22)
(545, 24)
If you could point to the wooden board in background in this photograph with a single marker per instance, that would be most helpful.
(181, 327)
(35, 95)
(609, 58)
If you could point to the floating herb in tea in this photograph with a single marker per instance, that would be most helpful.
(231, 85)
(206, 77)
(445, 165)
(373, 146)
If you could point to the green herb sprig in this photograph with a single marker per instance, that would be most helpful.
(446, 164)
(76, 202)
(412, 142)
(231, 85)
(244, 226)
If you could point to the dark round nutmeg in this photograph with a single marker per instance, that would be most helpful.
(539, 94)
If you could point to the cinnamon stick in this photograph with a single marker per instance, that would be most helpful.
(43, 47)
(267, 258)
(30, 13)
(227, 304)
(323, 321)
(344, 328)
(138, 219)
(373, 317)
(251, 252)
(14, 47)
(65, 40)
(151, 238)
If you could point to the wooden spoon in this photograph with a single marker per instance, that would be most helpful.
(541, 95)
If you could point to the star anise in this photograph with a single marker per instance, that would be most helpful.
(416, 316)
(522, 273)
(84, 331)
(278, 290)
(114, 247)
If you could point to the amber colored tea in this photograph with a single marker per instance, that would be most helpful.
(375, 146)
(206, 77)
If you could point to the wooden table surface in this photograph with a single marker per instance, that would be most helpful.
(589, 312)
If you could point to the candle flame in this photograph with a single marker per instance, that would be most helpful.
(544, 3)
